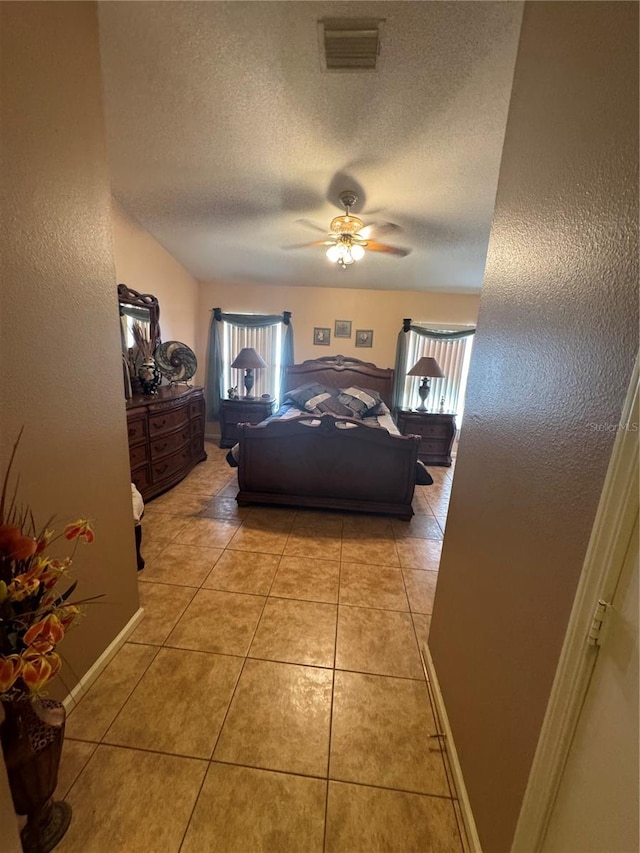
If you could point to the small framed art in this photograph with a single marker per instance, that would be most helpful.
(342, 329)
(321, 337)
(364, 337)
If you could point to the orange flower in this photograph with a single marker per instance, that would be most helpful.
(10, 668)
(49, 571)
(44, 541)
(80, 529)
(14, 545)
(39, 668)
(45, 634)
(22, 586)
(68, 615)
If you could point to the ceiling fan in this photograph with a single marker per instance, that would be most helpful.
(348, 236)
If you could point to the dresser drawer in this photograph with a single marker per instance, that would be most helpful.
(436, 430)
(430, 430)
(197, 447)
(164, 469)
(196, 409)
(138, 455)
(434, 446)
(234, 416)
(137, 430)
(141, 478)
(197, 427)
(163, 445)
(165, 422)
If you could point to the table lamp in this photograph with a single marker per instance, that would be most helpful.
(428, 368)
(248, 360)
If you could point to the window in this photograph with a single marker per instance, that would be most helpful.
(453, 356)
(270, 335)
(267, 341)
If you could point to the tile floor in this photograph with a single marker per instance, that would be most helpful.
(273, 696)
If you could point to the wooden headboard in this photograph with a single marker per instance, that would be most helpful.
(340, 371)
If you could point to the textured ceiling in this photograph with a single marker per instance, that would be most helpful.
(224, 130)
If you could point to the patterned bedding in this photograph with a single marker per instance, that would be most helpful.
(316, 401)
(382, 420)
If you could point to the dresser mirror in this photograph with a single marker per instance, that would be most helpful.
(140, 308)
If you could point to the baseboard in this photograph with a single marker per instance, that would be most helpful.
(442, 723)
(107, 655)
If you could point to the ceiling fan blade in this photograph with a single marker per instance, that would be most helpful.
(313, 243)
(379, 228)
(373, 246)
(309, 224)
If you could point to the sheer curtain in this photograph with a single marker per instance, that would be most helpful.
(267, 341)
(271, 335)
(451, 349)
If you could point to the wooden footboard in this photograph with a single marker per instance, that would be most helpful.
(327, 465)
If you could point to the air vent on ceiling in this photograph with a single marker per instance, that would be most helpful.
(350, 44)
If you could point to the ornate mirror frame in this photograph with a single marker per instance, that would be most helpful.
(128, 296)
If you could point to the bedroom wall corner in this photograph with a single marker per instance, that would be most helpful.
(60, 362)
(146, 266)
(556, 343)
(380, 310)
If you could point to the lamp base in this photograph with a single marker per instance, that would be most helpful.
(423, 393)
(248, 382)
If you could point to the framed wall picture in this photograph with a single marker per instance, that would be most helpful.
(321, 337)
(342, 329)
(364, 337)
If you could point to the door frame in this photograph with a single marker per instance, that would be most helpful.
(612, 529)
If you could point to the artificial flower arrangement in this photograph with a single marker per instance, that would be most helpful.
(34, 616)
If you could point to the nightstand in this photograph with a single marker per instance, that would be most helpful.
(436, 430)
(245, 410)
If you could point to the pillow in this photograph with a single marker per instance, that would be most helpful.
(332, 405)
(360, 401)
(301, 397)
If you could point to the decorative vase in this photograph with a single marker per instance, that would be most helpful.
(149, 376)
(32, 734)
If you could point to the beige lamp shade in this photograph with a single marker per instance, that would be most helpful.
(426, 366)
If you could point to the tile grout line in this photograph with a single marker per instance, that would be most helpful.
(84, 764)
(333, 692)
(224, 719)
(129, 694)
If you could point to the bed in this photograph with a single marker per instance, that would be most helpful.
(329, 461)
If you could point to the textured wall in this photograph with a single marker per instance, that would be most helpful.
(382, 311)
(143, 264)
(557, 337)
(60, 365)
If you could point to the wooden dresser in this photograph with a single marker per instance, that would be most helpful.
(436, 430)
(166, 437)
(243, 410)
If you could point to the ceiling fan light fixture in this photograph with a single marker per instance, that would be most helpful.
(346, 224)
(345, 252)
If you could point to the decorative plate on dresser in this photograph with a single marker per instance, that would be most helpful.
(177, 361)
